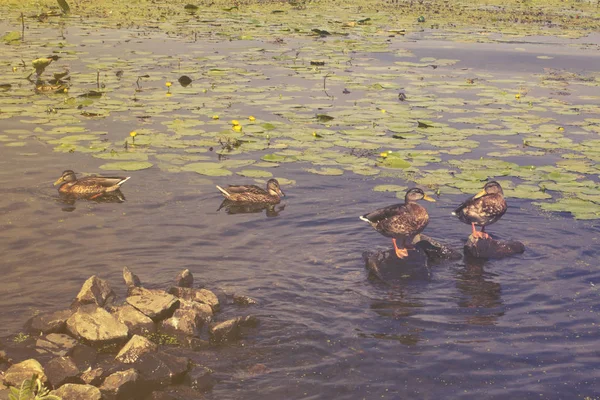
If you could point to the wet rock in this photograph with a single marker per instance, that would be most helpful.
(194, 343)
(184, 279)
(185, 321)
(122, 385)
(243, 300)
(93, 376)
(201, 379)
(61, 370)
(160, 369)
(96, 326)
(94, 291)
(230, 330)
(17, 373)
(135, 348)
(131, 280)
(387, 267)
(204, 311)
(136, 321)
(54, 322)
(71, 391)
(490, 248)
(57, 344)
(157, 306)
(203, 296)
(83, 356)
(176, 393)
(436, 250)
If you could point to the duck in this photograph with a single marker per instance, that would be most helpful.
(93, 186)
(401, 222)
(483, 209)
(253, 193)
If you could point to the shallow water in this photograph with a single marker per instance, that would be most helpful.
(522, 327)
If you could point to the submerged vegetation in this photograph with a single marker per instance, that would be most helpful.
(332, 86)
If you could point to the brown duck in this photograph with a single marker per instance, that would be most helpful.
(253, 193)
(89, 186)
(401, 221)
(483, 209)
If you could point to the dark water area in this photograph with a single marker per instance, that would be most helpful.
(523, 327)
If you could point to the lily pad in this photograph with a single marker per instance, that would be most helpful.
(126, 166)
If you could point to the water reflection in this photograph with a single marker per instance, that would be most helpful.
(68, 200)
(479, 291)
(236, 207)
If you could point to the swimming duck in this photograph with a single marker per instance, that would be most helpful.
(253, 193)
(93, 186)
(483, 209)
(401, 221)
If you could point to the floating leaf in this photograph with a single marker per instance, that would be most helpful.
(126, 166)
(255, 173)
(390, 188)
(64, 6)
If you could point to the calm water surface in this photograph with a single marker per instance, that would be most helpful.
(524, 327)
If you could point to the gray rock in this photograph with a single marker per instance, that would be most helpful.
(56, 343)
(94, 291)
(490, 248)
(243, 300)
(135, 348)
(17, 373)
(61, 370)
(83, 356)
(96, 325)
(131, 279)
(136, 321)
(203, 296)
(230, 330)
(54, 322)
(157, 306)
(201, 379)
(185, 279)
(186, 321)
(71, 391)
(93, 376)
(122, 385)
(204, 311)
(162, 369)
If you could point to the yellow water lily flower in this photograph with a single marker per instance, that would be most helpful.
(133, 133)
(168, 84)
(251, 118)
(518, 96)
(215, 116)
(237, 128)
(235, 122)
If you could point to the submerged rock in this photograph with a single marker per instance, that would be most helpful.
(54, 322)
(157, 306)
(71, 391)
(491, 248)
(230, 330)
(94, 291)
(61, 370)
(241, 300)
(184, 279)
(161, 369)
(17, 373)
(96, 326)
(135, 348)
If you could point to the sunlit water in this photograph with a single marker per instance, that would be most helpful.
(521, 327)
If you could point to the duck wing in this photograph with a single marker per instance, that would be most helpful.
(246, 189)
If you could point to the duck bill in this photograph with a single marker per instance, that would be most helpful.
(480, 194)
(59, 180)
(280, 193)
(428, 198)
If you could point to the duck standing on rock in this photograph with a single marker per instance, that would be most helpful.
(483, 209)
(253, 193)
(401, 221)
(93, 186)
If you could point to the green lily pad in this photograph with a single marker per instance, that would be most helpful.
(126, 166)
(255, 173)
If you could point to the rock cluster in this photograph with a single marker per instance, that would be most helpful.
(98, 349)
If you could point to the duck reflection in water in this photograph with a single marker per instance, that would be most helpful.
(479, 292)
(69, 199)
(237, 207)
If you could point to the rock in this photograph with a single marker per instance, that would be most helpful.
(204, 311)
(194, 343)
(56, 343)
(490, 248)
(131, 279)
(61, 370)
(436, 250)
(201, 379)
(136, 321)
(203, 296)
(135, 348)
(387, 267)
(161, 369)
(54, 322)
(93, 376)
(17, 373)
(96, 326)
(94, 291)
(122, 385)
(83, 356)
(157, 306)
(176, 393)
(230, 330)
(71, 391)
(243, 300)
(183, 321)
(184, 279)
